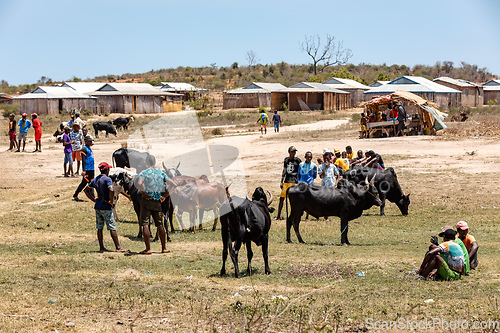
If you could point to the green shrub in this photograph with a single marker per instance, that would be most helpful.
(261, 109)
(218, 131)
(87, 112)
(7, 109)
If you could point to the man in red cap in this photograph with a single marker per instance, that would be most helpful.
(103, 205)
(24, 125)
(469, 242)
(37, 126)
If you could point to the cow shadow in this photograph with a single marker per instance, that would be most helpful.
(243, 273)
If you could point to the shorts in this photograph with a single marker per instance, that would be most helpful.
(23, 136)
(363, 128)
(401, 126)
(474, 263)
(150, 207)
(104, 216)
(276, 125)
(12, 136)
(76, 155)
(448, 274)
(285, 187)
(68, 159)
(38, 135)
(263, 125)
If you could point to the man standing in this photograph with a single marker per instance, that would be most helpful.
(37, 126)
(24, 125)
(79, 120)
(151, 183)
(288, 176)
(263, 120)
(328, 172)
(103, 205)
(68, 161)
(401, 120)
(77, 136)
(276, 121)
(12, 132)
(308, 171)
(87, 166)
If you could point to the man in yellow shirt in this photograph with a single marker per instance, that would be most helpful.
(338, 161)
(350, 153)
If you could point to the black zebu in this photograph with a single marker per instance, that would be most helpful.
(245, 221)
(347, 202)
(386, 183)
(130, 158)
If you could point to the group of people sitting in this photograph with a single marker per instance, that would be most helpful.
(331, 167)
(453, 258)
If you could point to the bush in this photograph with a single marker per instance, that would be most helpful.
(86, 112)
(7, 109)
(218, 131)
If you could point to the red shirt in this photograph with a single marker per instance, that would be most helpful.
(37, 124)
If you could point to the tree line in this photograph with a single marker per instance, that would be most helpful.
(228, 77)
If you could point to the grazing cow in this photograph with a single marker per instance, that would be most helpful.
(347, 202)
(386, 183)
(124, 183)
(103, 126)
(130, 158)
(58, 135)
(245, 221)
(197, 195)
(123, 122)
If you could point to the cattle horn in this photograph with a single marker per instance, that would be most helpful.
(270, 200)
(163, 165)
(372, 182)
(127, 175)
(366, 182)
(248, 196)
(177, 167)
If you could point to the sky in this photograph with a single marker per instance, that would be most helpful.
(60, 39)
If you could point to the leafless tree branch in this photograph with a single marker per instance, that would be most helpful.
(330, 54)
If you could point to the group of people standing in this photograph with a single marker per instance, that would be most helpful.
(331, 167)
(24, 125)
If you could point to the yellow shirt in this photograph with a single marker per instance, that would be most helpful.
(341, 163)
(350, 156)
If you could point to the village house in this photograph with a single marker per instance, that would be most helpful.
(188, 91)
(472, 94)
(354, 88)
(491, 91)
(252, 96)
(431, 91)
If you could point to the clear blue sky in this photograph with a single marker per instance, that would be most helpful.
(60, 38)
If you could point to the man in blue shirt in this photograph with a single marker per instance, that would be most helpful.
(308, 171)
(151, 184)
(103, 204)
(88, 169)
(24, 125)
(276, 121)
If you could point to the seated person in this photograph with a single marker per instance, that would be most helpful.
(449, 268)
(469, 242)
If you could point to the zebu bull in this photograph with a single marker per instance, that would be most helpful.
(196, 196)
(386, 183)
(347, 202)
(123, 122)
(245, 221)
(125, 183)
(130, 158)
(103, 126)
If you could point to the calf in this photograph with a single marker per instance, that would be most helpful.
(103, 126)
(245, 221)
(122, 122)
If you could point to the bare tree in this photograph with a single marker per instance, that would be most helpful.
(252, 58)
(331, 54)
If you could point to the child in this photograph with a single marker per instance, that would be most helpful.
(24, 125)
(67, 152)
(37, 126)
(263, 120)
(363, 122)
(12, 132)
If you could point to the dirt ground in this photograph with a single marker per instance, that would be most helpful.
(31, 185)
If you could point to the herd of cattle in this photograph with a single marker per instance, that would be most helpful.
(248, 220)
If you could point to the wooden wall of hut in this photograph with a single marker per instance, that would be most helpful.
(470, 96)
(235, 101)
(51, 106)
(279, 100)
(334, 101)
(442, 99)
(491, 95)
(313, 100)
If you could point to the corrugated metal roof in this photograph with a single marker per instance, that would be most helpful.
(84, 87)
(177, 86)
(457, 82)
(53, 92)
(312, 87)
(491, 85)
(414, 84)
(258, 88)
(338, 83)
(378, 83)
(113, 88)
